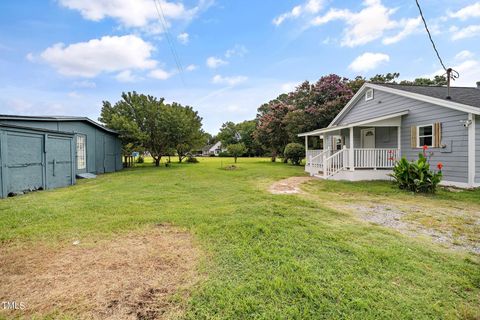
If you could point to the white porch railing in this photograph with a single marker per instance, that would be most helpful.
(314, 161)
(314, 153)
(335, 163)
(330, 162)
(375, 158)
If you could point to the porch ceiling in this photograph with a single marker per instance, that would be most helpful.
(390, 120)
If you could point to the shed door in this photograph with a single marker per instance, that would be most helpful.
(23, 162)
(109, 160)
(59, 162)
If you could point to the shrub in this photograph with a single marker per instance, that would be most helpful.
(191, 159)
(140, 159)
(416, 176)
(294, 152)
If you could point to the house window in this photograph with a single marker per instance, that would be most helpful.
(369, 95)
(425, 136)
(81, 152)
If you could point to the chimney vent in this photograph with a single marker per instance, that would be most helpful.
(478, 84)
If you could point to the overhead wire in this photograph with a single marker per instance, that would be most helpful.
(451, 74)
(171, 44)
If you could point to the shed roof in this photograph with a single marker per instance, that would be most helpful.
(56, 118)
(12, 126)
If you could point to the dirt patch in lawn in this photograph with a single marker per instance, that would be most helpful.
(288, 186)
(143, 275)
(455, 228)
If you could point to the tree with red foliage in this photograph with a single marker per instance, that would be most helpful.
(271, 131)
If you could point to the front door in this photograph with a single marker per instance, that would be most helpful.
(368, 138)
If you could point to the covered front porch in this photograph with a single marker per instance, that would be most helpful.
(365, 150)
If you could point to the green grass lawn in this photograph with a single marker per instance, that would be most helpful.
(268, 256)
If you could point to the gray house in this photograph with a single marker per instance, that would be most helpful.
(49, 152)
(384, 122)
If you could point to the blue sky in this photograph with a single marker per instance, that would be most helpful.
(65, 57)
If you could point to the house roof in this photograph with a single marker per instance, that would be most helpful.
(217, 145)
(469, 96)
(56, 118)
(460, 96)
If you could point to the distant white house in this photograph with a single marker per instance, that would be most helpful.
(214, 149)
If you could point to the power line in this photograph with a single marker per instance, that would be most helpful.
(430, 36)
(171, 44)
(451, 74)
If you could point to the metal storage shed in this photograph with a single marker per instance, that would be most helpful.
(97, 148)
(33, 159)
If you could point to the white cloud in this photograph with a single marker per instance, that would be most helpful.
(368, 61)
(214, 62)
(468, 67)
(30, 57)
(237, 109)
(160, 74)
(471, 11)
(84, 84)
(107, 54)
(126, 76)
(288, 86)
(191, 67)
(183, 38)
(138, 13)
(309, 7)
(467, 32)
(464, 55)
(74, 95)
(231, 81)
(369, 24)
(409, 26)
(469, 71)
(237, 50)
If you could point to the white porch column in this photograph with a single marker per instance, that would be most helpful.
(399, 141)
(351, 152)
(471, 150)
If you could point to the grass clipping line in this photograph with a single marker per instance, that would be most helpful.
(138, 276)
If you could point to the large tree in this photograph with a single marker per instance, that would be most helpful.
(228, 134)
(246, 131)
(140, 121)
(145, 122)
(271, 130)
(233, 133)
(184, 130)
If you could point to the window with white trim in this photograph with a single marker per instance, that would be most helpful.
(81, 152)
(369, 95)
(425, 136)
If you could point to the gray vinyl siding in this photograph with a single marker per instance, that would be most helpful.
(99, 158)
(454, 134)
(477, 149)
(385, 137)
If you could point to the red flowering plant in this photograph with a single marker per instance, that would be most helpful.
(416, 176)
